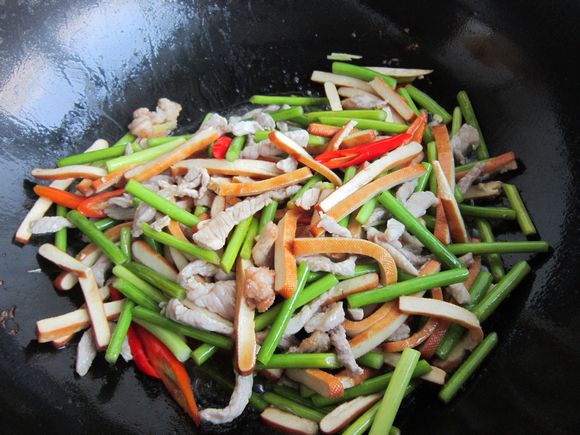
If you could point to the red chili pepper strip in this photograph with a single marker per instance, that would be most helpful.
(387, 144)
(172, 372)
(418, 127)
(116, 295)
(58, 196)
(368, 152)
(138, 353)
(94, 206)
(221, 146)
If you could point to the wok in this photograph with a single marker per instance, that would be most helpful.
(72, 71)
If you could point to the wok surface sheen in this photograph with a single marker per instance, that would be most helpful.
(73, 71)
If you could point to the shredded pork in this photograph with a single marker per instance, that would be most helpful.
(316, 342)
(362, 101)
(213, 235)
(298, 321)
(288, 164)
(100, 269)
(259, 288)
(197, 317)
(330, 317)
(356, 313)
(333, 227)
(308, 199)
(86, 352)
(50, 224)
(460, 293)
(320, 263)
(419, 202)
(394, 230)
(343, 351)
(143, 213)
(401, 333)
(158, 123)
(471, 177)
(238, 402)
(464, 142)
(263, 251)
(218, 297)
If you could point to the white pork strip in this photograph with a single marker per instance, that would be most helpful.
(287, 165)
(402, 333)
(86, 353)
(471, 177)
(214, 234)
(316, 342)
(331, 316)
(309, 198)
(263, 251)
(464, 142)
(320, 263)
(218, 297)
(145, 122)
(298, 321)
(333, 227)
(238, 402)
(344, 351)
(47, 225)
(197, 317)
(259, 288)
(460, 293)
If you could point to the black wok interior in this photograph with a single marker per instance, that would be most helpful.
(73, 71)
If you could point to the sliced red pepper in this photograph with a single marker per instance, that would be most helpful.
(172, 372)
(365, 152)
(138, 353)
(94, 206)
(58, 196)
(116, 295)
(220, 147)
(418, 127)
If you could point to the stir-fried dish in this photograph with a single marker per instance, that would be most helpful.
(338, 250)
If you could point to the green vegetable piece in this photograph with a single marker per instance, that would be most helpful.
(517, 203)
(60, 238)
(247, 246)
(360, 72)
(169, 287)
(499, 247)
(97, 237)
(161, 204)
(235, 148)
(415, 227)
(181, 245)
(366, 124)
(119, 333)
(469, 115)
(468, 368)
(143, 286)
(288, 307)
(291, 101)
(428, 103)
(393, 291)
(501, 290)
(391, 402)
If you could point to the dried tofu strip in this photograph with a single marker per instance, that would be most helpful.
(245, 167)
(340, 80)
(257, 187)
